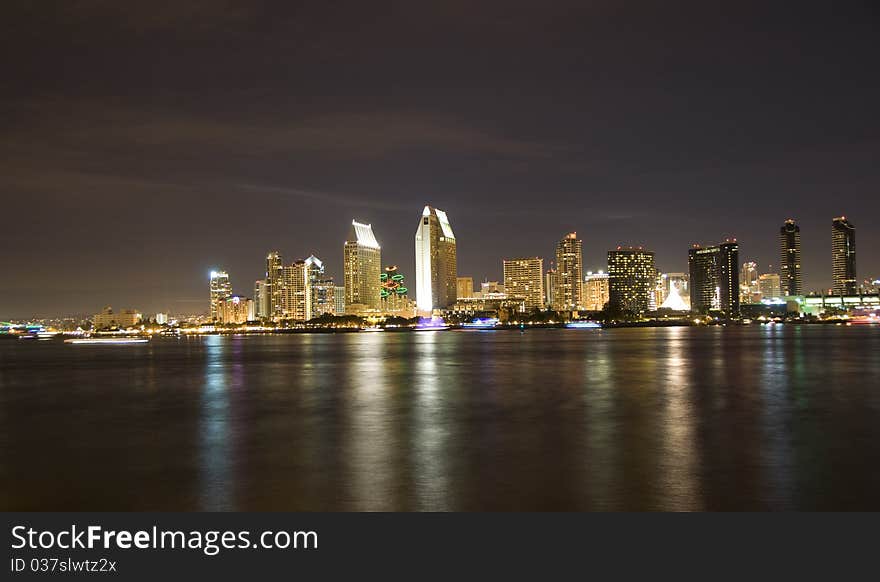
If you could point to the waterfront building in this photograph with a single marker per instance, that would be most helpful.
(161, 318)
(524, 278)
(339, 300)
(236, 309)
(220, 288)
(295, 292)
(436, 261)
(123, 319)
(770, 286)
(631, 279)
(362, 260)
(464, 287)
(843, 247)
(714, 278)
(551, 280)
(569, 274)
(262, 299)
(676, 284)
(274, 277)
(595, 290)
(790, 258)
(748, 283)
(324, 299)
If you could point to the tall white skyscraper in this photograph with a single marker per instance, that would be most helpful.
(436, 266)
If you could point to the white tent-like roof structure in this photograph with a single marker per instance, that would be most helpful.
(674, 301)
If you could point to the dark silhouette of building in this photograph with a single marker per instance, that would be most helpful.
(843, 248)
(714, 278)
(790, 258)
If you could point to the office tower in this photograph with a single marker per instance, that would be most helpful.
(843, 247)
(314, 277)
(221, 288)
(464, 287)
(714, 278)
(362, 265)
(524, 278)
(569, 274)
(631, 279)
(595, 290)
(274, 276)
(262, 299)
(339, 300)
(790, 258)
(295, 292)
(748, 283)
(436, 263)
(236, 309)
(324, 298)
(770, 286)
(551, 280)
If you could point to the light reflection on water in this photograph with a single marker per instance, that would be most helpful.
(776, 417)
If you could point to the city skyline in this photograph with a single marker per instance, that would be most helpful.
(633, 124)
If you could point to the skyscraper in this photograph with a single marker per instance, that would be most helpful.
(261, 299)
(524, 278)
(714, 278)
(748, 283)
(551, 281)
(295, 296)
(436, 263)
(595, 291)
(274, 276)
(362, 265)
(790, 258)
(843, 247)
(569, 274)
(631, 279)
(221, 288)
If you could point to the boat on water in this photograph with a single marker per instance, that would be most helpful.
(481, 323)
(107, 340)
(374, 328)
(583, 325)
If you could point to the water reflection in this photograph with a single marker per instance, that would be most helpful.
(758, 417)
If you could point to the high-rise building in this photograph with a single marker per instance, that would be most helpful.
(236, 309)
(595, 290)
(748, 283)
(221, 288)
(262, 299)
(436, 263)
(339, 300)
(843, 247)
(464, 287)
(770, 286)
(631, 279)
(362, 260)
(295, 292)
(123, 319)
(569, 274)
(790, 258)
(551, 280)
(274, 276)
(324, 298)
(314, 277)
(524, 278)
(714, 278)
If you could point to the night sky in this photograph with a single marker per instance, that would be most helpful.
(145, 143)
